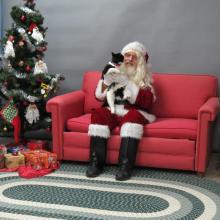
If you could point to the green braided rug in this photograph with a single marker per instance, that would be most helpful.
(149, 194)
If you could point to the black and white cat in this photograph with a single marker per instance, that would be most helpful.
(116, 88)
(117, 59)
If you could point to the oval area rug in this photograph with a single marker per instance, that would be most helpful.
(149, 194)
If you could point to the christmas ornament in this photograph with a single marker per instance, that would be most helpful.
(21, 43)
(23, 18)
(45, 88)
(5, 129)
(32, 114)
(40, 67)
(9, 50)
(36, 34)
(21, 63)
(10, 114)
(22, 32)
(28, 68)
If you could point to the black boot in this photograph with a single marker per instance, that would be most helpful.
(127, 156)
(97, 156)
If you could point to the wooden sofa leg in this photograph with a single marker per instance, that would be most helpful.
(201, 174)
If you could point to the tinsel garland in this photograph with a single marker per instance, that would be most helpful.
(20, 93)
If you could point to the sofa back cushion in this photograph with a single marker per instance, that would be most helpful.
(90, 81)
(181, 95)
(178, 95)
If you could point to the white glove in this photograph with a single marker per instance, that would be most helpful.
(115, 76)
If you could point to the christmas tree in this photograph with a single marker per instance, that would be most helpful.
(25, 84)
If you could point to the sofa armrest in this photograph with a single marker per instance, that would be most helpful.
(210, 108)
(62, 108)
(207, 113)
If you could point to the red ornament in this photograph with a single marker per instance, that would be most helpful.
(28, 68)
(23, 18)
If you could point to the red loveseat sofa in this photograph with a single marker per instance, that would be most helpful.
(178, 139)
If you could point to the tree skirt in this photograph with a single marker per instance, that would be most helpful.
(149, 194)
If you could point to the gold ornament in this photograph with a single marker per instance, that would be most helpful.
(5, 128)
(45, 89)
(21, 63)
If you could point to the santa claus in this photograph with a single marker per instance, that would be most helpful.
(131, 112)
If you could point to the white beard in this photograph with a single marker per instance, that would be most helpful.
(130, 71)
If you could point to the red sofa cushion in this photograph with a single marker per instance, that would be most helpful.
(162, 127)
(181, 95)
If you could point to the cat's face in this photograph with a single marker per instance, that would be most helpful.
(117, 58)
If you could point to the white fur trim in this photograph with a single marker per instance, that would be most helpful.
(99, 130)
(133, 91)
(98, 92)
(132, 130)
(134, 46)
(150, 117)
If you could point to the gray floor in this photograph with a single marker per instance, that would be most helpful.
(213, 171)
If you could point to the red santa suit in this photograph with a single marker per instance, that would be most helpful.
(133, 110)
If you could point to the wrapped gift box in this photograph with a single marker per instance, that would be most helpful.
(3, 151)
(14, 161)
(37, 144)
(16, 149)
(39, 159)
(2, 161)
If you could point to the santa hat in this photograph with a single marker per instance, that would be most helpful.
(135, 47)
(31, 27)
